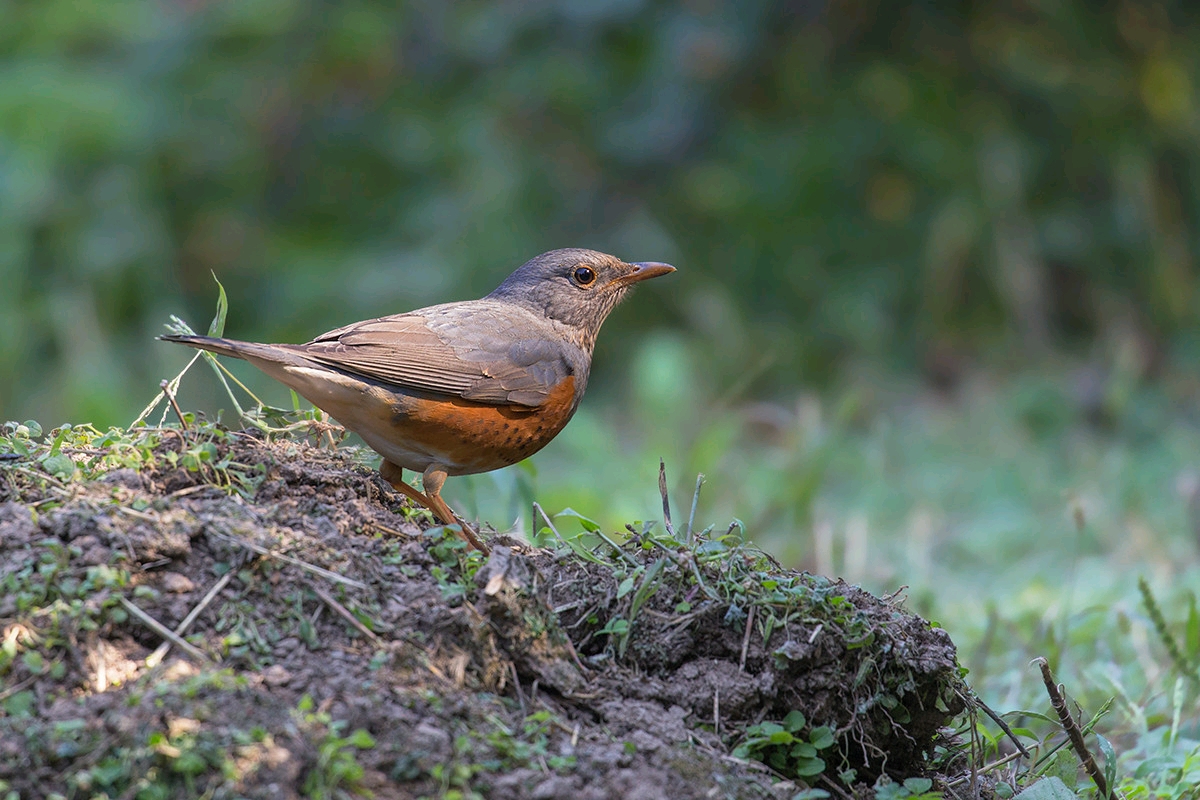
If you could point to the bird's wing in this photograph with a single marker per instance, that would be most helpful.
(482, 351)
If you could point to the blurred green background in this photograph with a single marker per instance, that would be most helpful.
(935, 320)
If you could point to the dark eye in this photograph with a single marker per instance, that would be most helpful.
(585, 276)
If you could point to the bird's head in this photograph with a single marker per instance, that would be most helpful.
(576, 287)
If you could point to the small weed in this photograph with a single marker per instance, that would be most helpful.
(909, 789)
(336, 770)
(785, 747)
(82, 453)
(456, 776)
(526, 747)
(457, 564)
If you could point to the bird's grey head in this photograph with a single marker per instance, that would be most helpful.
(575, 287)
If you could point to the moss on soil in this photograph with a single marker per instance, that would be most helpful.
(349, 647)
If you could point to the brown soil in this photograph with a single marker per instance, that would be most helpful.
(478, 677)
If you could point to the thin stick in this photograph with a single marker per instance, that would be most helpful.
(1072, 728)
(161, 651)
(16, 687)
(234, 378)
(346, 615)
(607, 540)
(746, 638)
(174, 384)
(662, 489)
(165, 632)
(218, 368)
(313, 568)
(833, 787)
(976, 749)
(133, 512)
(995, 765)
(695, 501)
(1003, 726)
(516, 679)
(537, 507)
(165, 385)
(717, 711)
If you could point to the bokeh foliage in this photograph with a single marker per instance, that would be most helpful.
(851, 189)
(841, 183)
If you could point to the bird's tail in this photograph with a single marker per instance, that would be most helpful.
(237, 349)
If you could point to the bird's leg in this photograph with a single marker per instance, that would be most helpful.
(394, 475)
(432, 482)
(431, 498)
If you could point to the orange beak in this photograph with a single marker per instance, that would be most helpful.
(644, 270)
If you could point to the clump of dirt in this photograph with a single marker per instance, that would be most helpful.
(331, 641)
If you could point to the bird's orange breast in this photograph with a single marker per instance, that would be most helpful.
(469, 437)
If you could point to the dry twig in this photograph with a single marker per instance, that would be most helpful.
(313, 568)
(662, 489)
(165, 385)
(161, 651)
(746, 638)
(345, 614)
(165, 632)
(1072, 728)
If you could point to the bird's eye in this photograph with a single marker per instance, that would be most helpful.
(585, 276)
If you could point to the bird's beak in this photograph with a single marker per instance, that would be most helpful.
(643, 270)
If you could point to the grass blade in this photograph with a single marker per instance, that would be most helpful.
(217, 326)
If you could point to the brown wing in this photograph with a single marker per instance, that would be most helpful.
(483, 351)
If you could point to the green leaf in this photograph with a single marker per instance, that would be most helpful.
(648, 587)
(58, 439)
(577, 547)
(1047, 789)
(217, 326)
(34, 662)
(822, 737)
(1110, 760)
(803, 750)
(794, 721)
(616, 626)
(589, 525)
(808, 767)
(59, 465)
(361, 739)
(189, 763)
(1064, 766)
(918, 785)
(20, 704)
(810, 794)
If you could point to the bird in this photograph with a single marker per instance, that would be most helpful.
(464, 387)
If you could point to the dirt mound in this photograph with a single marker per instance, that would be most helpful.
(332, 642)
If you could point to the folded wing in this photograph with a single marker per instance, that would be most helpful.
(485, 352)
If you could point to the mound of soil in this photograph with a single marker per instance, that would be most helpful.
(332, 642)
